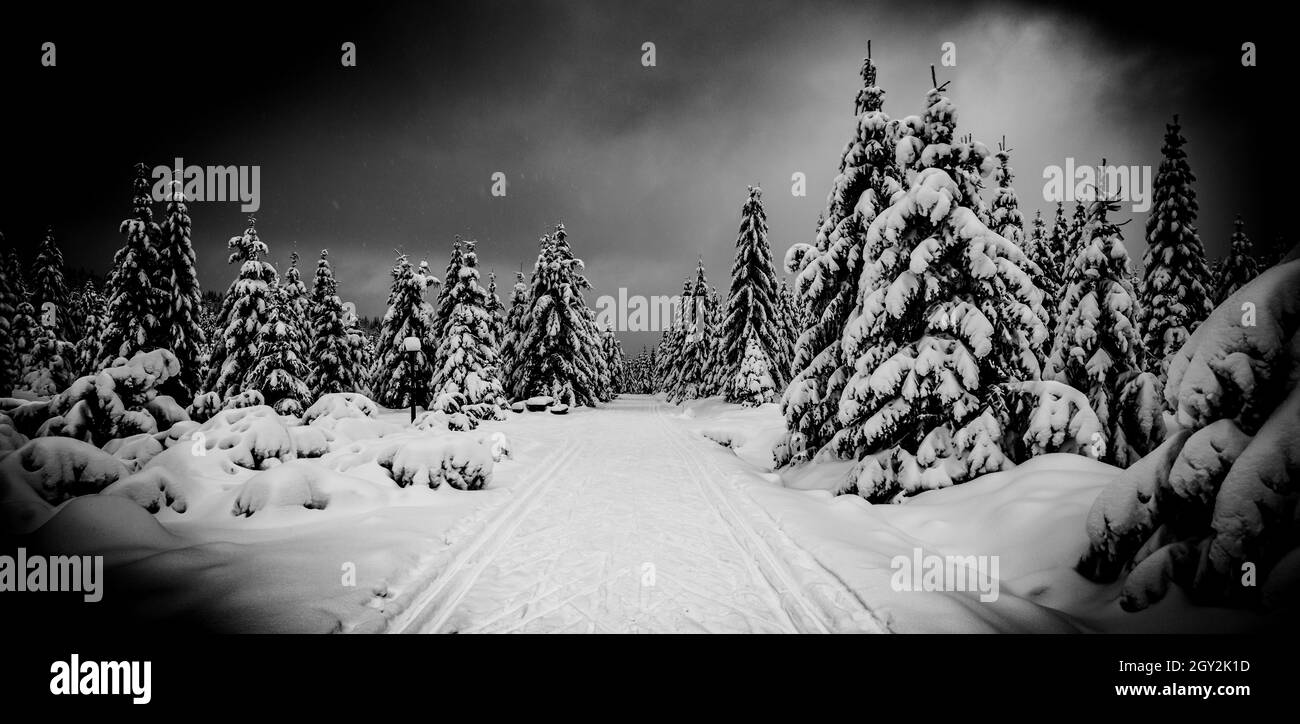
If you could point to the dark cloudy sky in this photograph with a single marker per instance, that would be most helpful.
(647, 167)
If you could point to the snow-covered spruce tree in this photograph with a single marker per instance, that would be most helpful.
(180, 326)
(1047, 265)
(91, 309)
(1240, 266)
(49, 287)
(409, 315)
(465, 365)
(753, 305)
(667, 355)
(678, 348)
(612, 352)
(133, 301)
(494, 308)
(1004, 214)
(693, 375)
(331, 363)
(1097, 350)
(244, 312)
(946, 314)
(24, 330)
(51, 365)
(293, 294)
(362, 348)
(558, 354)
(279, 374)
(513, 373)
(1176, 290)
(753, 385)
(444, 306)
(827, 273)
(1220, 492)
(10, 359)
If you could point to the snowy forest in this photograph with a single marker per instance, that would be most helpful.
(942, 363)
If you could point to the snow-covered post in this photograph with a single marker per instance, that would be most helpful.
(412, 347)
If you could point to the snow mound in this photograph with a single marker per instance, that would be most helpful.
(58, 468)
(461, 460)
(340, 406)
(252, 437)
(135, 451)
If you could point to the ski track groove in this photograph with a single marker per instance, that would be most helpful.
(563, 555)
(411, 618)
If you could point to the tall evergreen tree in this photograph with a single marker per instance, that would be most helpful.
(753, 306)
(245, 311)
(558, 354)
(1046, 268)
(49, 286)
(297, 301)
(946, 313)
(828, 272)
(398, 373)
(1240, 266)
(694, 375)
(1176, 290)
(445, 304)
(466, 377)
(494, 309)
(514, 374)
(1007, 221)
(91, 309)
(332, 367)
(1097, 348)
(278, 373)
(133, 302)
(50, 366)
(180, 328)
(10, 362)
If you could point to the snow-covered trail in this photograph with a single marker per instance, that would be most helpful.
(633, 525)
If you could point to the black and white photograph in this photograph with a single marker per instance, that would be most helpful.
(649, 317)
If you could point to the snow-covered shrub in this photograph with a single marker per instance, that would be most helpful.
(292, 484)
(518, 407)
(153, 489)
(1214, 509)
(61, 468)
(29, 416)
(438, 420)
(112, 403)
(135, 451)
(251, 437)
(560, 409)
(205, 406)
(340, 405)
(458, 459)
(310, 441)
(245, 399)
(10, 438)
(1054, 416)
(166, 411)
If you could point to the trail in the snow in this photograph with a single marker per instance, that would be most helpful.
(636, 526)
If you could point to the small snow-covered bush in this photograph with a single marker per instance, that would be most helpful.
(1220, 496)
(458, 459)
(135, 451)
(252, 437)
(166, 411)
(292, 484)
(245, 399)
(114, 402)
(310, 441)
(340, 405)
(61, 468)
(10, 438)
(153, 489)
(204, 406)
